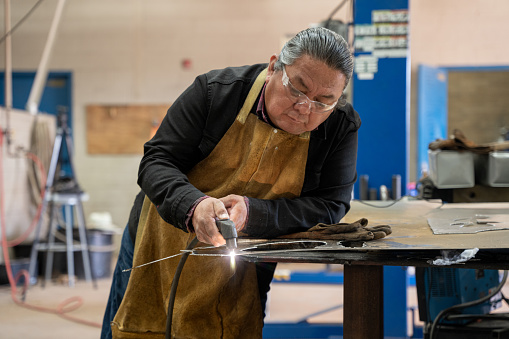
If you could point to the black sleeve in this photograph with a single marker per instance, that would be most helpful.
(172, 152)
(196, 122)
(330, 175)
(192, 127)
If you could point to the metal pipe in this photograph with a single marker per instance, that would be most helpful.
(396, 187)
(364, 187)
(42, 71)
(8, 65)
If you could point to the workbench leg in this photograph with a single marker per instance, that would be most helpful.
(363, 316)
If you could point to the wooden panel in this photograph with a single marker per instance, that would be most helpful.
(478, 104)
(121, 129)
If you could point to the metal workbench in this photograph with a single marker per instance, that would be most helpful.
(412, 243)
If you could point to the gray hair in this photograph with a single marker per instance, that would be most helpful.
(321, 44)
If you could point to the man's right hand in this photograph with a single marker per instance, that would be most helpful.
(204, 221)
(237, 209)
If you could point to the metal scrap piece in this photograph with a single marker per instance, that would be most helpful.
(450, 257)
(264, 247)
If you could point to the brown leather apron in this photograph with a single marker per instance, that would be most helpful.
(212, 301)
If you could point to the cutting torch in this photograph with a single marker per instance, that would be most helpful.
(229, 232)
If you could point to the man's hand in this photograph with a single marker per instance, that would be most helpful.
(237, 209)
(204, 221)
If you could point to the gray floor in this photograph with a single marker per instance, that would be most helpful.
(287, 302)
(21, 322)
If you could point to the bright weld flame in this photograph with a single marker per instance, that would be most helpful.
(232, 260)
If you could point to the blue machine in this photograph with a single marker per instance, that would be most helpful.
(439, 288)
(380, 93)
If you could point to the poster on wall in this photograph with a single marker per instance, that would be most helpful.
(385, 37)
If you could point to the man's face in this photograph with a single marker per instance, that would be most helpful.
(315, 80)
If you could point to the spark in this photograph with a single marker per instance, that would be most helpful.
(232, 260)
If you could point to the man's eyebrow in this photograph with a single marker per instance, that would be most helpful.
(325, 96)
(299, 80)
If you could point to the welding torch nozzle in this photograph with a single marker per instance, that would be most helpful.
(228, 231)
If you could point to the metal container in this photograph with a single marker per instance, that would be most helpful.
(100, 248)
(493, 169)
(451, 169)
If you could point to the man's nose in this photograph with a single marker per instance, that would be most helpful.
(303, 106)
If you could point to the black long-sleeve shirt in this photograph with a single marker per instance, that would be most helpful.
(197, 121)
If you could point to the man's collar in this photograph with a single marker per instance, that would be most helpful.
(261, 111)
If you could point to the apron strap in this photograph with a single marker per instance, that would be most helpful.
(251, 97)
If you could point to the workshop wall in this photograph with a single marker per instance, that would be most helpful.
(136, 52)
(455, 33)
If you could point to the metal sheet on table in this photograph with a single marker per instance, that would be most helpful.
(411, 232)
(409, 222)
(469, 225)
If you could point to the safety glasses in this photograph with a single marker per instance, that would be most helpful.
(298, 97)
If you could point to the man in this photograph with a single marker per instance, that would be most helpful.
(271, 147)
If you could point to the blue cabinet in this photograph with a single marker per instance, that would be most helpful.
(381, 90)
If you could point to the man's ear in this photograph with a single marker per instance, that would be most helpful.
(270, 70)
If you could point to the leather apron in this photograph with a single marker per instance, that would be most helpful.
(212, 300)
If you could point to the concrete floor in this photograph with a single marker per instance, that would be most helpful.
(20, 322)
(287, 302)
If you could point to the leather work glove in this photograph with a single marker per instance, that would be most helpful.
(356, 231)
(459, 142)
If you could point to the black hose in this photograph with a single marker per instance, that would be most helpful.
(174, 284)
(329, 19)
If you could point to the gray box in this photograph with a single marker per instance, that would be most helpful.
(492, 169)
(451, 169)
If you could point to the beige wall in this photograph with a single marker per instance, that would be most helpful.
(455, 33)
(130, 51)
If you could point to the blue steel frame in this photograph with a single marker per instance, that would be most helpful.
(396, 281)
(383, 105)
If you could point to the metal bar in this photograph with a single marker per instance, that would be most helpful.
(70, 150)
(308, 277)
(51, 241)
(42, 71)
(35, 245)
(84, 242)
(314, 314)
(57, 144)
(70, 245)
(302, 330)
(8, 59)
